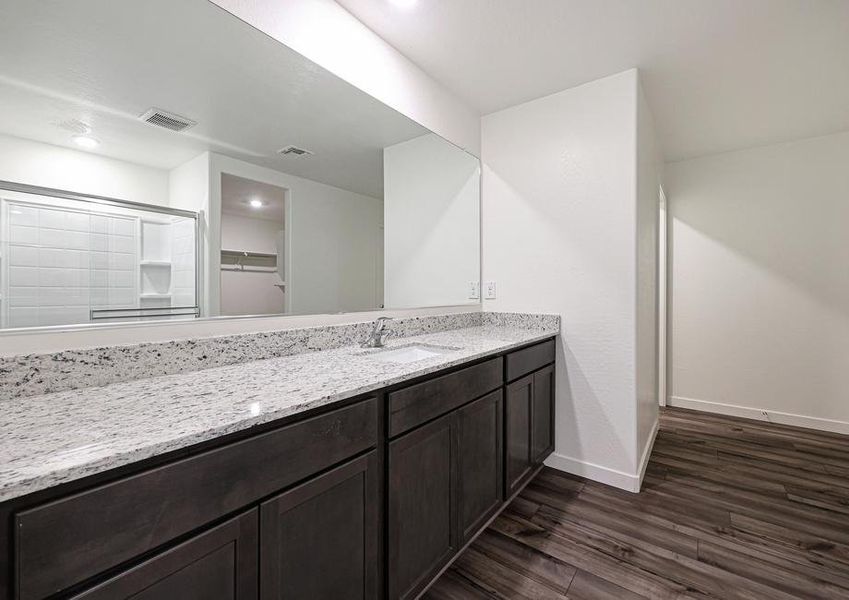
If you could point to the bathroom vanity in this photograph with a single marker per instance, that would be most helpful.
(361, 494)
(203, 457)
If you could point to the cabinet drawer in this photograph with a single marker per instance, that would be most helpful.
(69, 540)
(424, 401)
(529, 359)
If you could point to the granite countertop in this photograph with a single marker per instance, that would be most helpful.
(55, 438)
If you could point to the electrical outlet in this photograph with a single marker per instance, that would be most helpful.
(474, 290)
(489, 290)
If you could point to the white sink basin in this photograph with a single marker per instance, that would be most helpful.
(411, 353)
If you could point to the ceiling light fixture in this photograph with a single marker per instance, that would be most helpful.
(85, 141)
(405, 4)
(255, 203)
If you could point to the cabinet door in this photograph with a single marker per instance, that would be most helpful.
(421, 518)
(219, 564)
(542, 434)
(479, 456)
(519, 401)
(320, 539)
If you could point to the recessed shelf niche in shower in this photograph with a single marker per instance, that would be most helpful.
(155, 265)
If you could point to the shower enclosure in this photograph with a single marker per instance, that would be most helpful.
(69, 259)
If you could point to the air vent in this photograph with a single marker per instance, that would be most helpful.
(75, 126)
(295, 151)
(163, 118)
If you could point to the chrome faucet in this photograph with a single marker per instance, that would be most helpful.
(379, 333)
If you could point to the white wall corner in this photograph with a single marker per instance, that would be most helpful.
(606, 475)
(765, 230)
(558, 233)
(646, 455)
(619, 479)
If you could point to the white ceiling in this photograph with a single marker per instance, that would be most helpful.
(237, 193)
(718, 74)
(105, 62)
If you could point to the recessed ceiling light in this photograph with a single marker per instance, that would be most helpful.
(255, 203)
(85, 141)
(405, 4)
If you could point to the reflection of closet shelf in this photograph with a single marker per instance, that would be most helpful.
(249, 262)
(155, 263)
(233, 254)
(152, 295)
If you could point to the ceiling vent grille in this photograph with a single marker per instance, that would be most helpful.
(163, 118)
(75, 126)
(295, 151)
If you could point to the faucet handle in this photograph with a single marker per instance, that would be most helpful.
(380, 323)
(379, 333)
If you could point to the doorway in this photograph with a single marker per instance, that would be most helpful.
(252, 247)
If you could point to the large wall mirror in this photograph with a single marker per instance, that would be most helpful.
(164, 159)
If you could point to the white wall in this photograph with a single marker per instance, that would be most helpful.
(431, 207)
(560, 235)
(188, 187)
(249, 234)
(649, 173)
(45, 165)
(335, 251)
(251, 292)
(760, 284)
(330, 36)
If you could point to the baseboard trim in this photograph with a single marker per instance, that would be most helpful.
(646, 456)
(605, 475)
(770, 416)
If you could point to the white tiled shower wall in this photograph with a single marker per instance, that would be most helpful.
(60, 263)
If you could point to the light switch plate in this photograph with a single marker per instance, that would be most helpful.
(489, 290)
(474, 290)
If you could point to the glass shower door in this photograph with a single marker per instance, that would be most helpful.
(67, 260)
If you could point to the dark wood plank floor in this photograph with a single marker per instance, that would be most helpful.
(730, 508)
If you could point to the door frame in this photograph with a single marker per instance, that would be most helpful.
(663, 299)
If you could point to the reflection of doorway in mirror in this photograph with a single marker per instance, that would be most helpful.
(252, 247)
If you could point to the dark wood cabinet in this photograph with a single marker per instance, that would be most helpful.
(479, 459)
(529, 426)
(417, 404)
(517, 427)
(64, 542)
(320, 539)
(371, 498)
(542, 415)
(219, 564)
(529, 359)
(421, 517)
